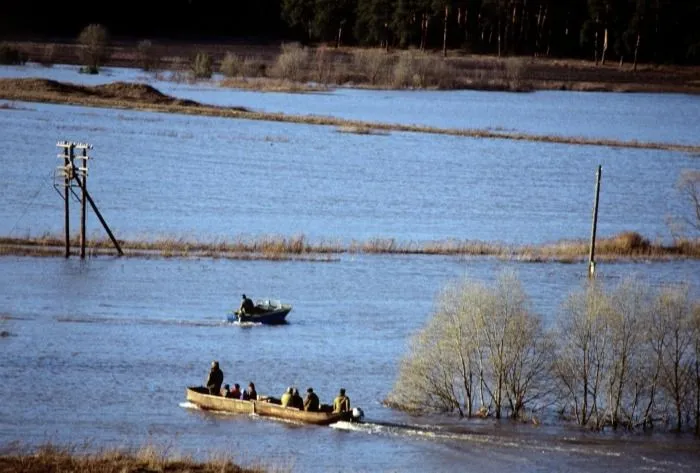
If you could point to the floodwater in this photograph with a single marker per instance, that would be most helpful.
(100, 351)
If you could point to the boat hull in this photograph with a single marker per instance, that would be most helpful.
(199, 396)
(273, 317)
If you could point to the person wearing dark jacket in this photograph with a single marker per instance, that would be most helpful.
(247, 306)
(297, 401)
(250, 392)
(311, 402)
(215, 379)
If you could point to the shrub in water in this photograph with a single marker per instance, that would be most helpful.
(232, 65)
(202, 66)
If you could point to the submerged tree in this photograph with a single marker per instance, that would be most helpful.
(94, 47)
(481, 345)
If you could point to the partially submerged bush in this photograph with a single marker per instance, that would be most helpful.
(374, 63)
(146, 55)
(94, 42)
(232, 65)
(291, 63)
(202, 66)
(423, 70)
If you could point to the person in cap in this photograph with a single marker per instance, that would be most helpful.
(286, 398)
(215, 379)
(341, 403)
(247, 306)
(311, 401)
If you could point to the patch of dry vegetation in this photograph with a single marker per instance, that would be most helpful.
(145, 97)
(624, 246)
(50, 458)
(262, 84)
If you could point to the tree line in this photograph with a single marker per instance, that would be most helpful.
(626, 357)
(660, 31)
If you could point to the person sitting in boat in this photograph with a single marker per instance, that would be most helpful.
(247, 306)
(286, 398)
(235, 393)
(297, 401)
(311, 403)
(341, 403)
(215, 379)
(250, 392)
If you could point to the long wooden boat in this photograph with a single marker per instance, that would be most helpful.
(267, 407)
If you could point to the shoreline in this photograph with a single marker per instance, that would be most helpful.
(470, 71)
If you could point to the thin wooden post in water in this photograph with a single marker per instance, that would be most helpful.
(67, 170)
(83, 201)
(591, 258)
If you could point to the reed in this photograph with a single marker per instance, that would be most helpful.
(623, 246)
(49, 457)
(265, 84)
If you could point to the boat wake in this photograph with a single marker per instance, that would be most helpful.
(134, 321)
(242, 324)
(435, 433)
(189, 405)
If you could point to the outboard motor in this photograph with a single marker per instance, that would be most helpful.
(357, 414)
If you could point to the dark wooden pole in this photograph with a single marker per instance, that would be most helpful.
(99, 216)
(591, 258)
(83, 204)
(68, 163)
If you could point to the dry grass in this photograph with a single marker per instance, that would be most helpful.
(50, 458)
(624, 246)
(264, 84)
(144, 97)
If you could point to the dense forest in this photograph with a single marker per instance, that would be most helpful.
(660, 31)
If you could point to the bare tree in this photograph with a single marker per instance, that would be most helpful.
(94, 47)
(696, 336)
(673, 330)
(580, 359)
(476, 332)
(689, 186)
(629, 306)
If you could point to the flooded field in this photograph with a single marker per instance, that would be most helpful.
(100, 351)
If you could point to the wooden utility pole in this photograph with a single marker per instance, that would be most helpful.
(83, 201)
(67, 171)
(70, 172)
(591, 258)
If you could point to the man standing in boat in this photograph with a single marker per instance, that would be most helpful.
(247, 306)
(341, 403)
(215, 379)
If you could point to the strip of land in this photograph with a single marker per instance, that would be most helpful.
(627, 246)
(49, 458)
(135, 96)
